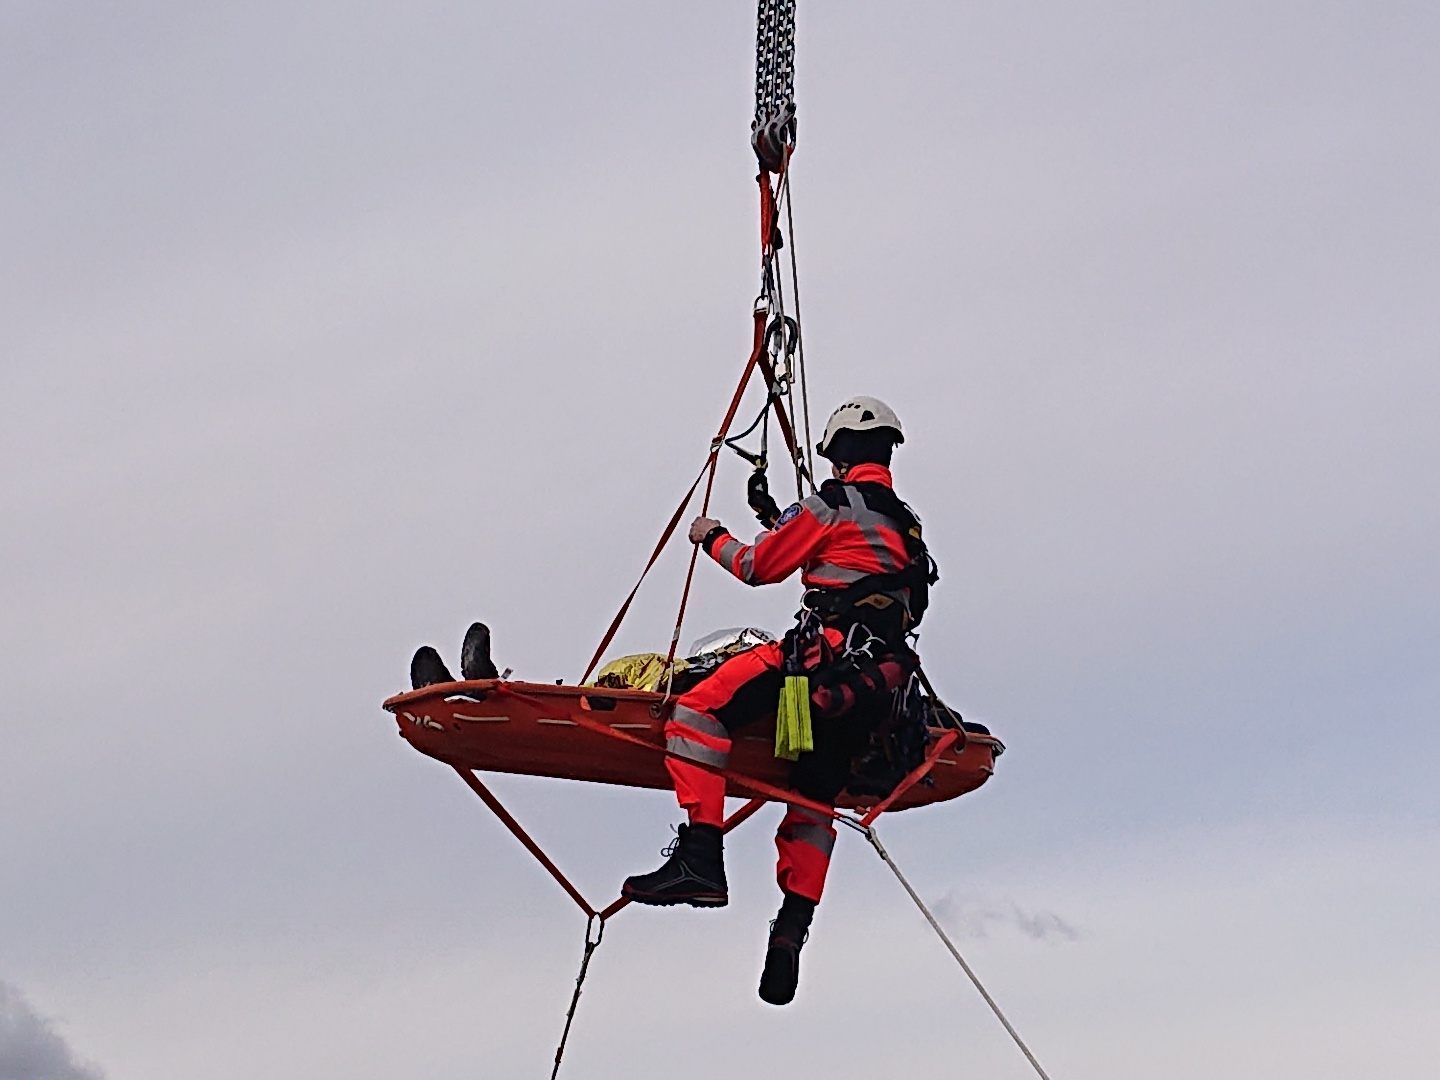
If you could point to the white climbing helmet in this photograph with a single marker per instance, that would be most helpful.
(861, 414)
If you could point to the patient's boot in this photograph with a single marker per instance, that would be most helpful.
(427, 669)
(475, 662)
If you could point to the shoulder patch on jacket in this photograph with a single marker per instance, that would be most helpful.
(790, 514)
(832, 494)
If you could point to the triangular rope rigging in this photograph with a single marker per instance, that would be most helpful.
(873, 838)
(777, 350)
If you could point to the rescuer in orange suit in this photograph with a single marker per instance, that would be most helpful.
(849, 542)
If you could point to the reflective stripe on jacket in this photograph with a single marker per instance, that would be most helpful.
(833, 545)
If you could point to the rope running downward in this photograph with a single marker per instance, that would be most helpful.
(874, 838)
(590, 946)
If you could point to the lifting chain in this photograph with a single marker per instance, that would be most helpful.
(772, 133)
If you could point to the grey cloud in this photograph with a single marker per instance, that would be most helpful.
(31, 1048)
(977, 917)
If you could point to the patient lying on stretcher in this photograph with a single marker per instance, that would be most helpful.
(639, 671)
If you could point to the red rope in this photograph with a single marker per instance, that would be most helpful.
(654, 556)
(912, 778)
(709, 468)
(787, 430)
(750, 783)
(769, 214)
(767, 211)
(739, 817)
(498, 809)
(757, 352)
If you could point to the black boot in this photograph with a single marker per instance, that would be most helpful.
(475, 662)
(782, 955)
(694, 872)
(427, 669)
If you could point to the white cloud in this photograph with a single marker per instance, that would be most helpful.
(976, 915)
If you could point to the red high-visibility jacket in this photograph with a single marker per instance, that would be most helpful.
(831, 536)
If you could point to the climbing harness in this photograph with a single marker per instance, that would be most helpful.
(876, 598)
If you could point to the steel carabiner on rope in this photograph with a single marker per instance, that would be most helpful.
(782, 339)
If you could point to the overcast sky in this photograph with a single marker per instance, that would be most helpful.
(327, 328)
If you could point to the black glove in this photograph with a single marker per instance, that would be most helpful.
(757, 493)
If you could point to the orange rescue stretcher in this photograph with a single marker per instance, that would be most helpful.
(617, 737)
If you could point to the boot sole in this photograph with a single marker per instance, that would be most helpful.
(772, 997)
(704, 900)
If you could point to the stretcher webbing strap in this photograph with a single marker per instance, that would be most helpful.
(874, 839)
(757, 351)
(486, 796)
(765, 793)
(707, 473)
(759, 788)
(915, 775)
(750, 783)
(591, 944)
(739, 817)
(668, 532)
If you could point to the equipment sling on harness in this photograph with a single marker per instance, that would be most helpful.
(793, 733)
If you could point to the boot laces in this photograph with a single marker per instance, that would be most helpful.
(673, 846)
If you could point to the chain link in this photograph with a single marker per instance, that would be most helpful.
(785, 58)
(765, 18)
(773, 129)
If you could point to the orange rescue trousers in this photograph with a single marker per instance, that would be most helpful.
(740, 692)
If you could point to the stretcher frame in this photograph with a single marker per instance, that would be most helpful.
(418, 709)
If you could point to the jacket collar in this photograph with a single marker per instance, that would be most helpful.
(869, 474)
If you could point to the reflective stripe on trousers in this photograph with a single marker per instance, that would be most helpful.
(694, 731)
(699, 737)
(804, 843)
